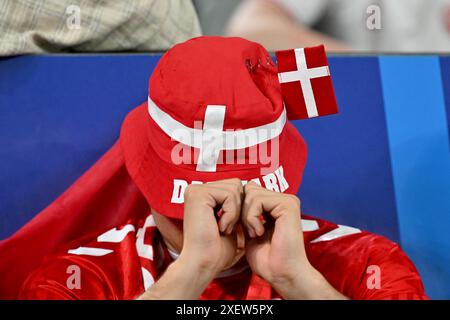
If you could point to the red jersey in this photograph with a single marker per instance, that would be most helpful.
(124, 261)
(100, 229)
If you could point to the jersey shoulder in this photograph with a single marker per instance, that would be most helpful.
(361, 264)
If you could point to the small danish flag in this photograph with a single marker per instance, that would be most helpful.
(306, 83)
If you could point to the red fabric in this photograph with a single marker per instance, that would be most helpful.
(233, 72)
(156, 182)
(293, 92)
(103, 197)
(343, 261)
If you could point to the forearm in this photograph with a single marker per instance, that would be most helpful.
(270, 25)
(181, 281)
(307, 285)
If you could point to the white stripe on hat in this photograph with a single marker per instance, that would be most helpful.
(210, 144)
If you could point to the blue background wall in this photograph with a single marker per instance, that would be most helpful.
(382, 164)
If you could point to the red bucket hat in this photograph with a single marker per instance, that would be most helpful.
(214, 111)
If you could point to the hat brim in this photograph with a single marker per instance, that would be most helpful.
(155, 177)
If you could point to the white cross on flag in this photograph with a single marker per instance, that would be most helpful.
(306, 83)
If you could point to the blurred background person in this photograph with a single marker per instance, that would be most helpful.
(47, 26)
(361, 25)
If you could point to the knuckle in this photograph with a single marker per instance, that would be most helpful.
(236, 181)
(293, 200)
(238, 200)
(239, 186)
(249, 189)
(234, 189)
(188, 193)
(191, 191)
(249, 198)
(229, 193)
(253, 188)
(248, 186)
(253, 200)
